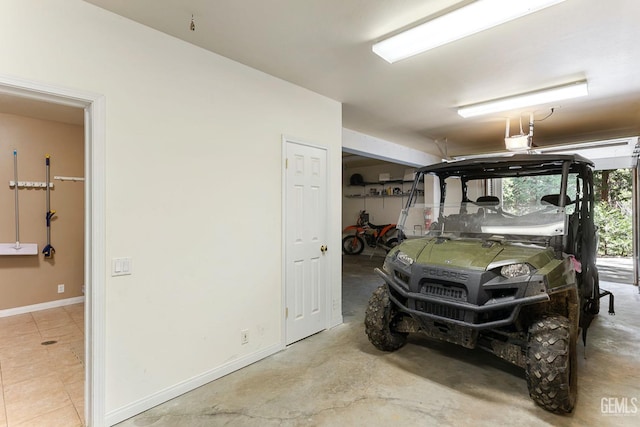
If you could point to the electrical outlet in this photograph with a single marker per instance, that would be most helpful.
(60, 288)
(244, 336)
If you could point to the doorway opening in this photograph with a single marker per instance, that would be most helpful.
(42, 292)
(382, 200)
(25, 93)
(614, 215)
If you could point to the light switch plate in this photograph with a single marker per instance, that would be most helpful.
(121, 266)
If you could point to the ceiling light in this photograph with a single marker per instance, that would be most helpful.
(478, 16)
(544, 96)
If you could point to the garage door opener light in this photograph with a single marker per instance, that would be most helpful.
(520, 142)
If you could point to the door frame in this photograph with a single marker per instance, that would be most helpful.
(286, 139)
(94, 233)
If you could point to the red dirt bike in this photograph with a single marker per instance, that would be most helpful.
(376, 236)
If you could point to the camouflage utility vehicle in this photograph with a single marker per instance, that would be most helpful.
(513, 274)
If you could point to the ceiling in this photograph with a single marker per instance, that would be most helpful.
(355, 161)
(325, 46)
(23, 106)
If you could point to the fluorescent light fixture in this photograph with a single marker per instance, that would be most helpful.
(544, 96)
(473, 18)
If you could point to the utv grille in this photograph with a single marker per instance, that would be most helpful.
(444, 291)
(441, 310)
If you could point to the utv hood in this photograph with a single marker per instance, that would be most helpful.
(477, 254)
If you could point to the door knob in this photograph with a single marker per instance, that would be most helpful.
(323, 249)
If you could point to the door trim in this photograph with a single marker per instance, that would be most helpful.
(94, 239)
(286, 139)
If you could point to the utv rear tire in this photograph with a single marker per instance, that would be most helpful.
(352, 245)
(552, 364)
(379, 321)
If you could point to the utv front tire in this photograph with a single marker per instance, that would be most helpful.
(379, 322)
(552, 364)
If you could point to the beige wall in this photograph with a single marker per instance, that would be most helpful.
(194, 172)
(32, 279)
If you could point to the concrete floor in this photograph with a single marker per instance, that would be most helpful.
(615, 269)
(336, 378)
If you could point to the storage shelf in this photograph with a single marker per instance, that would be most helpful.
(383, 183)
(374, 196)
(379, 196)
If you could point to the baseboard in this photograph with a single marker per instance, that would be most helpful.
(155, 399)
(43, 306)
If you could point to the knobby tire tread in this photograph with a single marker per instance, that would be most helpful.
(378, 322)
(551, 364)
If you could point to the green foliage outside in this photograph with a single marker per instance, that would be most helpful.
(613, 212)
(614, 229)
(528, 190)
(613, 190)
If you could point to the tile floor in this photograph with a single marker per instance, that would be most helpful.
(40, 384)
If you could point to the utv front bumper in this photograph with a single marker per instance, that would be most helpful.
(471, 300)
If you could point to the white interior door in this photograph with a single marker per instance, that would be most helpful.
(305, 241)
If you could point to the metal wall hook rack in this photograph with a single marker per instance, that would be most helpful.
(69, 178)
(30, 184)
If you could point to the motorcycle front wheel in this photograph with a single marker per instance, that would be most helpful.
(352, 245)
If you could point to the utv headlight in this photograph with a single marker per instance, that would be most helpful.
(515, 270)
(404, 259)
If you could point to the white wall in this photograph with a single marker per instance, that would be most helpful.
(370, 146)
(193, 190)
(399, 159)
(382, 210)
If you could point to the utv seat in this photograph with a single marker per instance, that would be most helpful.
(570, 243)
(488, 201)
(554, 199)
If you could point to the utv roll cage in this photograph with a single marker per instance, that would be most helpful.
(522, 165)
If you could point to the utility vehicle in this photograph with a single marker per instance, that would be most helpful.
(505, 262)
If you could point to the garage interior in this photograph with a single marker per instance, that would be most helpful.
(426, 382)
(234, 85)
(338, 378)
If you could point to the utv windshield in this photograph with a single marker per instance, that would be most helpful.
(515, 198)
(484, 220)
